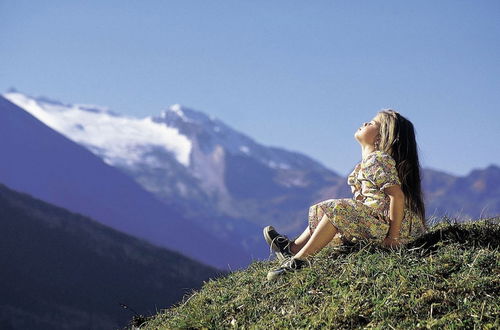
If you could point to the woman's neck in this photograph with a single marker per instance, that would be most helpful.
(366, 150)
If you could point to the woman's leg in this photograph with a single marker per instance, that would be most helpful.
(300, 241)
(315, 215)
(350, 217)
(322, 235)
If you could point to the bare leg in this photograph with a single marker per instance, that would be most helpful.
(323, 234)
(300, 241)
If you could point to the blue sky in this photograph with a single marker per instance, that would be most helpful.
(294, 74)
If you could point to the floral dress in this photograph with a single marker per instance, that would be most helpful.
(367, 214)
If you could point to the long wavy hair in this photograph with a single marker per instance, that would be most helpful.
(397, 138)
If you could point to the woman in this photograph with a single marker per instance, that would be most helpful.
(387, 203)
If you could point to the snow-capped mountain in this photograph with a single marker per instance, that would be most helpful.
(117, 139)
(45, 164)
(122, 140)
(198, 161)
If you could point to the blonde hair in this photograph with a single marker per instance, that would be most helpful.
(388, 130)
(397, 138)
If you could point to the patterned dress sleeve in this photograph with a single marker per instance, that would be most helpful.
(380, 168)
(352, 180)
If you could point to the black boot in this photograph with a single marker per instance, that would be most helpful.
(280, 244)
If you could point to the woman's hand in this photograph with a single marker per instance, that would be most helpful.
(390, 242)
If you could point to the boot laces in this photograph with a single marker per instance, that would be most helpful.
(291, 263)
(280, 239)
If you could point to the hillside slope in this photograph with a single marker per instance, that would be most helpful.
(61, 270)
(448, 278)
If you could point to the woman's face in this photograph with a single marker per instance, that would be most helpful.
(368, 132)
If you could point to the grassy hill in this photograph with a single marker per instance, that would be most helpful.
(448, 278)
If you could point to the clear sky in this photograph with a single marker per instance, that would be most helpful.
(302, 75)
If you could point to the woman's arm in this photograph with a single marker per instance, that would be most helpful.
(396, 214)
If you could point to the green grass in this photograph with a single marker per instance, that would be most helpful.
(448, 278)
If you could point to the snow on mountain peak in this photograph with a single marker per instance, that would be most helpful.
(188, 115)
(96, 108)
(116, 138)
(177, 109)
(123, 140)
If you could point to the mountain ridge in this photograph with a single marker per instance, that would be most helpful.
(49, 166)
(64, 270)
